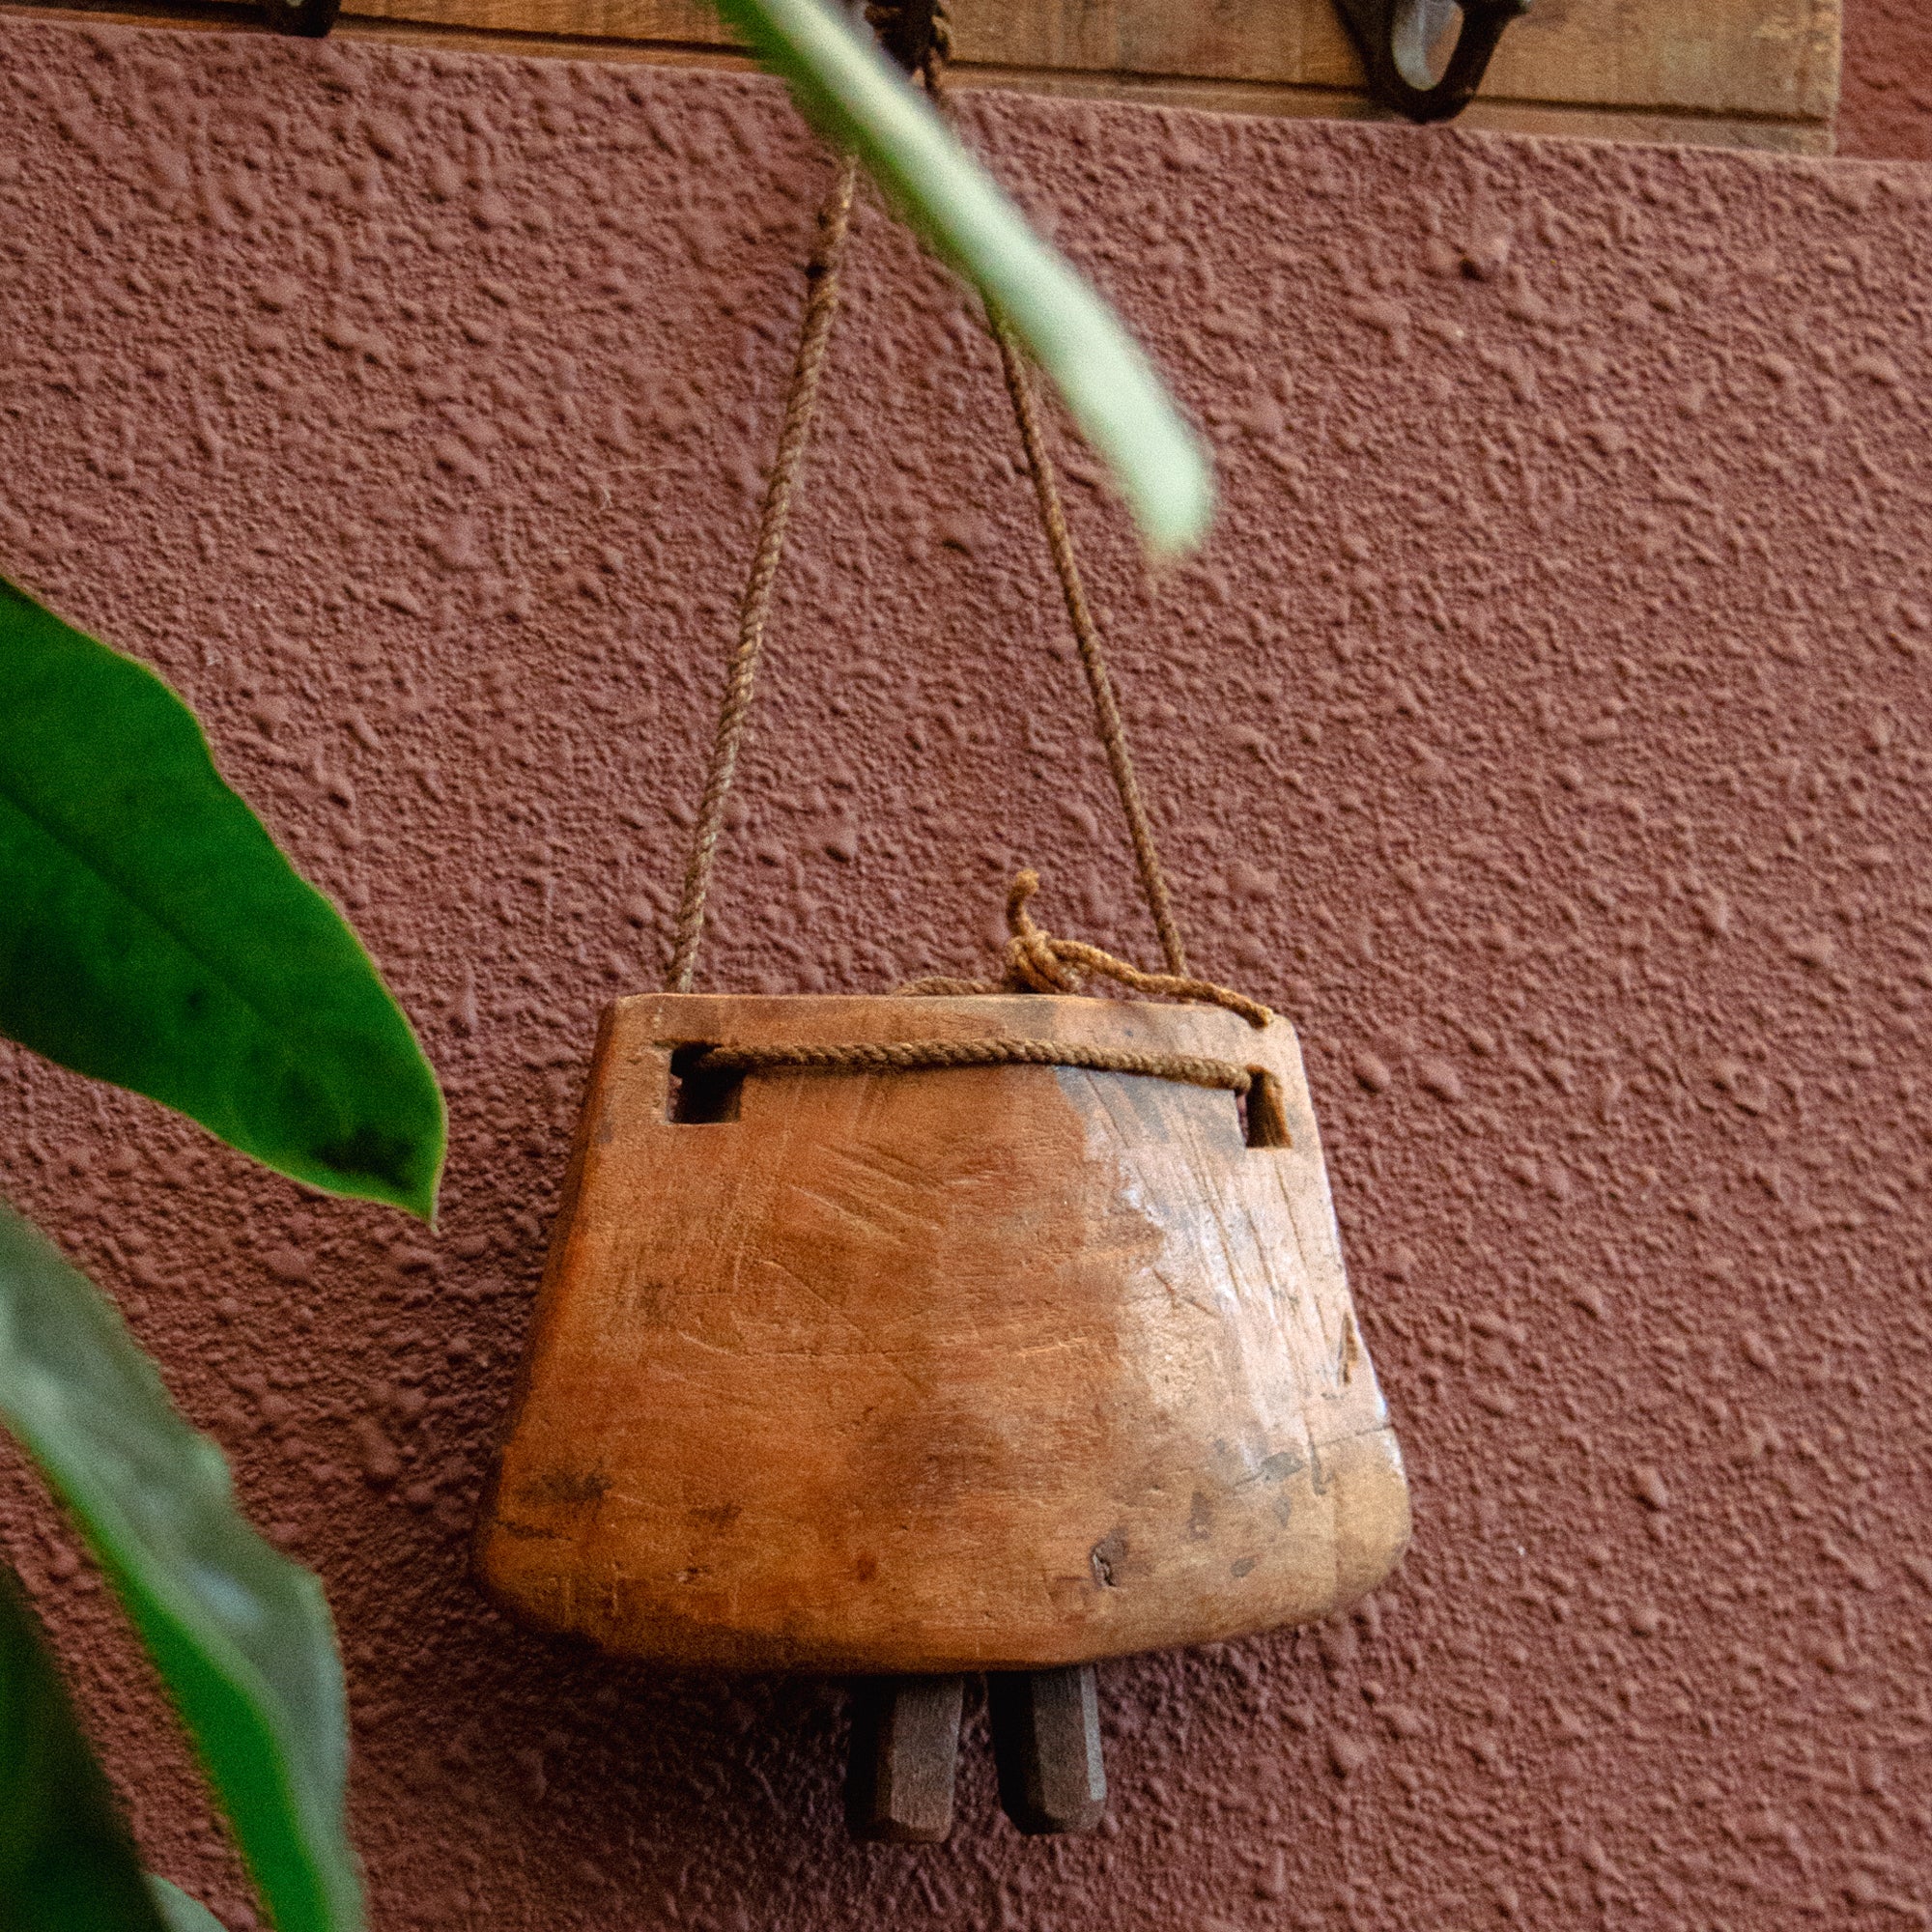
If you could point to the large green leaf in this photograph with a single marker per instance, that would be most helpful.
(860, 102)
(152, 934)
(179, 1911)
(240, 1635)
(67, 1864)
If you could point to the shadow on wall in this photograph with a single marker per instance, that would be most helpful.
(1546, 731)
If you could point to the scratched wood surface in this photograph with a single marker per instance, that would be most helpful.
(1745, 72)
(1001, 1367)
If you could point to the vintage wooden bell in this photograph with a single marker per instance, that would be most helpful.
(976, 1368)
(980, 1328)
(964, 1368)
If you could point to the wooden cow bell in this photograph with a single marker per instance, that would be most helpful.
(915, 1374)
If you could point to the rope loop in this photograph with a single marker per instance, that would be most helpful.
(821, 280)
(917, 34)
(1037, 962)
(920, 1056)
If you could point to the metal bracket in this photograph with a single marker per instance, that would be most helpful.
(914, 33)
(310, 20)
(1397, 38)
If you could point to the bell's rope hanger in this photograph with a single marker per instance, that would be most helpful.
(916, 33)
(1039, 963)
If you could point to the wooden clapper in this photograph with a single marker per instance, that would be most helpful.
(989, 1327)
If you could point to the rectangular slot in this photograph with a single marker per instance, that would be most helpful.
(697, 1097)
(1264, 1114)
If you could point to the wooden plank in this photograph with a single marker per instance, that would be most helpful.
(1769, 59)
(1502, 117)
(1773, 60)
(678, 24)
(1706, 71)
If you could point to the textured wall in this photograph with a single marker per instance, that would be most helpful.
(1885, 107)
(1546, 729)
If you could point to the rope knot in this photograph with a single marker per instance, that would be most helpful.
(1037, 962)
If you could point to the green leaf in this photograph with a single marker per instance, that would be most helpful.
(860, 102)
(67, 1862)
(241, 1636)
(179, 1911)
(151, 933)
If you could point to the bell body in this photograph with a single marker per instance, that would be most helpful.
(1001, 1368)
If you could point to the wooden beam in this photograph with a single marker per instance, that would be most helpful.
(1763, 74)
(1772, 58)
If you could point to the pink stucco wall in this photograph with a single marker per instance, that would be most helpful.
(1545, 727)
(1885, 107)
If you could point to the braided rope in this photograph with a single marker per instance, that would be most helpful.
(1037, 962)
(1087, 638)
(916, 33)
(834, 220)
(921, 1055)
(1045, 475)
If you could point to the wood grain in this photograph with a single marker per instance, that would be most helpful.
(1777, 59)
(1764, 74)
(987, 1368)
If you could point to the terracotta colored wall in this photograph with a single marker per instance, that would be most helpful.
(1886, 103)
(1546, 729)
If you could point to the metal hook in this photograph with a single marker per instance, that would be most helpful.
(1396, 36)
(915, 32)
(310, 20)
